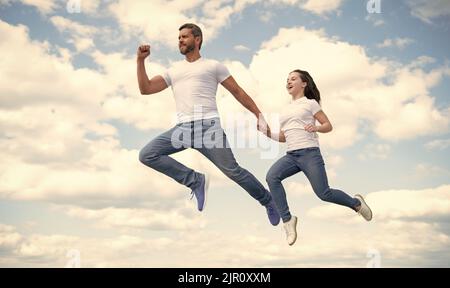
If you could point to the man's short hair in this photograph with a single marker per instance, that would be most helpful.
(196, 31)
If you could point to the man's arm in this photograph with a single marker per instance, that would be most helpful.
(243, 98)
(280, 137)
(146, 86)
(240, 95)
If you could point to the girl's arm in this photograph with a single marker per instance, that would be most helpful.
(325, 125)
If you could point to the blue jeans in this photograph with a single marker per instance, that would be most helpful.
(310, 161)
(207, 137)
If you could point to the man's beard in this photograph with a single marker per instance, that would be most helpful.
(189, 48)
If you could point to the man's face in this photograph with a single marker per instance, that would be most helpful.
(186, 41)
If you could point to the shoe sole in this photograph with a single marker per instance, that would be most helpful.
(361, 198)
(295, 228)
(206, 190)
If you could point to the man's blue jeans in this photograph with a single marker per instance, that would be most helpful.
(207, 137)
(310, 161)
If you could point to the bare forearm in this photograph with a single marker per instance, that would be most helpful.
(325, 127)
(248, 103)
(142, 77)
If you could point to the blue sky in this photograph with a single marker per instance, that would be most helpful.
(72, 123)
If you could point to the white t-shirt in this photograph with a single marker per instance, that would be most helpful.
(293, 119)
(194, 86)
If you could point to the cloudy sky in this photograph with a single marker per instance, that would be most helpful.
(72, 123)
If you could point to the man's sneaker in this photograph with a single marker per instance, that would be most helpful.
(291, 230)
(201, 191)
(272, 212)
(364, 211)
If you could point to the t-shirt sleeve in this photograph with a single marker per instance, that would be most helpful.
(222, 72)
(166, 77)
(315, 107)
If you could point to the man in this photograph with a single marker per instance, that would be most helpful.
(194, 84)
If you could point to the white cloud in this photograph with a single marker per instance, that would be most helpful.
(138, 17)
(298, 189)
(81, 36)
(39, 250)
(429, 10)
(44, 6)
(375, 151)
(103, 174)
(401, 244)
(126, 103)
(54, 138)
(64, 24)
(439, 144)
(401, 204)
(422, 61)
(216, 14)
(322, 6)
(68, 85)
(375, 18)
(9, 238)
(142, 17)
(90, 7)
(266, 16)
(319, 7)
(400, 43)
(427, 171)
(431, 203)
(241, 48)
(180, 218)
(47, 7)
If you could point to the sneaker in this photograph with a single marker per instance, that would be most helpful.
(364, 211)
(272, 212)
(291, 230)
(201, 191)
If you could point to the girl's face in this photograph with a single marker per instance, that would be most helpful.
(295, 85)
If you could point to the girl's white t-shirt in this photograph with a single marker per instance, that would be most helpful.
(294, 117)
(194, 86)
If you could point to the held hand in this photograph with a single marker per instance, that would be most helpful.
(263, 126)
(311, 128)
(143, 51)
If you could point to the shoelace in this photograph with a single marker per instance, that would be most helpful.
(192, 194)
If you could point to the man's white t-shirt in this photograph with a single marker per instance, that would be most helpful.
(194, 86)
(293, 118)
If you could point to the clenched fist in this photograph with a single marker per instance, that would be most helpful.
(143, 51)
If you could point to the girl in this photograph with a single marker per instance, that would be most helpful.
(298, 129)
